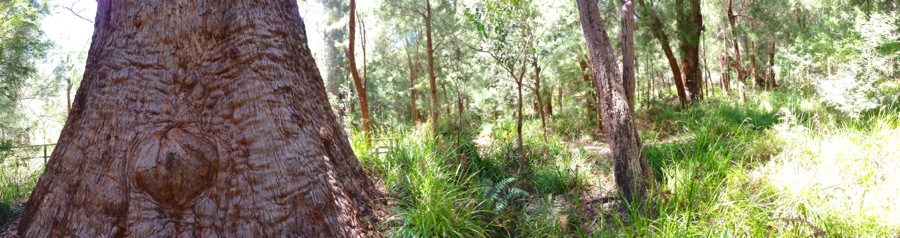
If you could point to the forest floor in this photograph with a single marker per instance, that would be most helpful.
(780, 164)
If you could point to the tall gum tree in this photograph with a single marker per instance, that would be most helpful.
(429, 48)
(737, 63)
(656, 27)
(358, 82)
(507, 37)
(630, 165)
(205, 119)
(690, 25)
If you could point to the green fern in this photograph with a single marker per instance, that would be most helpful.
(500, 195)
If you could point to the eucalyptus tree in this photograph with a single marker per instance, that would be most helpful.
(426, 14)
(22, 43)
(768, 25)
(507, 37)
(690, 27)
(556, 37)
(336, 62)
(211, 121)
(657, 27)
(358, 82)
(630, 166)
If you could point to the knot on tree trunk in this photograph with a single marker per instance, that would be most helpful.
(174, 166)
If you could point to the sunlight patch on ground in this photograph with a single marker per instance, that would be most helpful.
(847, 174)
(483, 139)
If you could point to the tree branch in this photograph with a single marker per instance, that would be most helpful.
(71, 9)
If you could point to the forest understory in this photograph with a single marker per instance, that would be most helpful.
(450, 118)
(780, 164)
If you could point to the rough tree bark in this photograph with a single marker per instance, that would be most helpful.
(354, 72)
(690, 23)
(201, 119)
(628, 50)
(631, 169)
(656, 28)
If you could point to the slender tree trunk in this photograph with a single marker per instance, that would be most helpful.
(413, 93)
(725, 78)
(537, 95)
(446, 95)
(708, 75)
(357, 81)
(69, 85)
(519, 80)
(650, 78)
(435, 111)
(772, 83)
(632, 172)
(559, 97)
(656, 27)
(202, 125)
(598, 110)
(548, 107)
(754, 73)
(521, 145)
(741, 77)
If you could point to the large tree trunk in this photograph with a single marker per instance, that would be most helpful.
(357, 81)
(656, 27)
(431, 77)
(632, 172)
(200, 119)
(689, 24)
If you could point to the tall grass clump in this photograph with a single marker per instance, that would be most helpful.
(15, 186)
(780, 164)
(427, 187)
(701, 154)
(839, 176)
